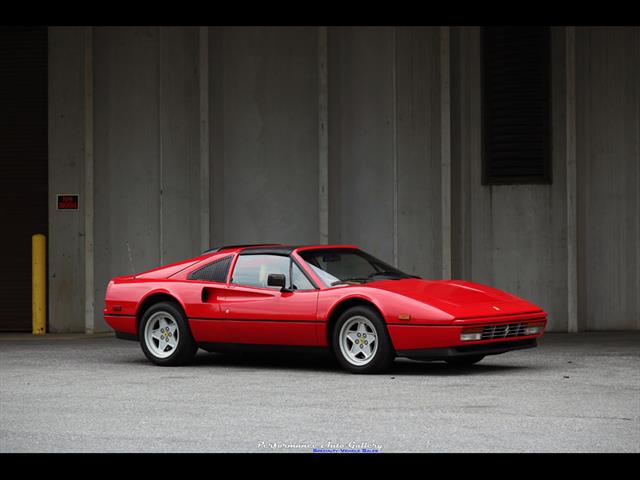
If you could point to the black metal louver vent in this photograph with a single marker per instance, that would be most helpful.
(213, 272)
(516, 105)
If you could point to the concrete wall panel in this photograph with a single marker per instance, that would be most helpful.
(418, 151)
(264, 131)
(511, 237)
(66, 160)
(361, 138)
(179, 143)
(608, 164)
(127, 160)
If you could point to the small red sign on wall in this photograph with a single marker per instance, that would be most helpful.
(68, 201)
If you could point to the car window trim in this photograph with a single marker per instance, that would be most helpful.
(198, 268)
(277, 254)
(357, 251)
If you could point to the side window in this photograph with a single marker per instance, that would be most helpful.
(253, 270)
(300, 281)
(213, 272)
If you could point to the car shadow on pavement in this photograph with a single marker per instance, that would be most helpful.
(414, 367)
(320, 362)
(325, 362)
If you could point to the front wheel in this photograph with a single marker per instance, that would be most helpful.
(361, 342)
(464, 361)
(165, 337)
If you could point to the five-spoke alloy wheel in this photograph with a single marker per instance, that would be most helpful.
(358, 340)
(165, 336)
(361, 342)
(161, 334)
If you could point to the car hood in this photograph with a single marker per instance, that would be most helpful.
(459, 298)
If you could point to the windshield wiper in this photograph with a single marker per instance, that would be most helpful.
(396, 275)
(386, 272)
(354, 279)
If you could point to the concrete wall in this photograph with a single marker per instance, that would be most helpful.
(418, 151)
(146, 150)
(509, 236)
(608, 153)
(66, 174)
(244, 103)
(384, 152)
(361, 138)
(264, 153)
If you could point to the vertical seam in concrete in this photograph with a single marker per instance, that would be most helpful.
(467, 36)
(160, 153)
(637, 75)
(323, 136)
(89, 293)
(204, 138)
(572, 217)
(395, 145)
(50, 186)
(445, 150)
(216, 51)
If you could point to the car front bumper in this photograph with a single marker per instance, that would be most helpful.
(499, 335)
(491, 348)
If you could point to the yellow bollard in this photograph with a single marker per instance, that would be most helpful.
(39, 284)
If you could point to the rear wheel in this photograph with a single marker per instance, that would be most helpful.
(464, 361)
(165, 337)
(361, 342)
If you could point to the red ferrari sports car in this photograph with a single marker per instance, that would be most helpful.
(335, 297)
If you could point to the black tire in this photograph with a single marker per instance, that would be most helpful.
(464, 361)
(186, 347)
(384, 352)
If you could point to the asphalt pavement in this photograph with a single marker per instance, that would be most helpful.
(574, 393)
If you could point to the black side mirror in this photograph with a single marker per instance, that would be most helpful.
(278, 280)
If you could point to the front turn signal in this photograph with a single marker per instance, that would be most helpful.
(534, 328)
(471, 334)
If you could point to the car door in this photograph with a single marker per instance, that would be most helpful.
(255, 313)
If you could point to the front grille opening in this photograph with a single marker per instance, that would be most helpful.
(491, 332)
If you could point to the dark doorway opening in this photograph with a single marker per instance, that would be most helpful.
(23, 165)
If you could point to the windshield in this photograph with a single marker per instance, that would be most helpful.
(347, 265)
